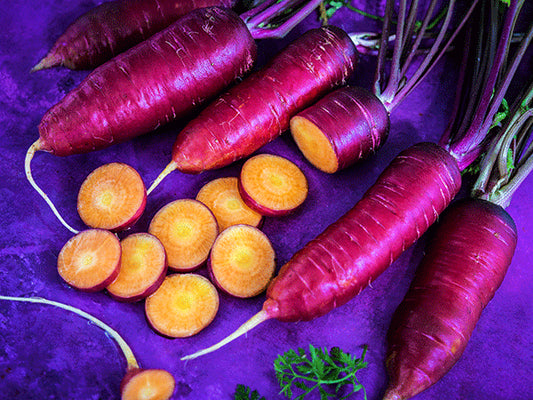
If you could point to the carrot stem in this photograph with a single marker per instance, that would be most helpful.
(36, 146)
(128, 353)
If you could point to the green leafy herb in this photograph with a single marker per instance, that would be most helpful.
(502, 113)
(243, 392)
(299, 373)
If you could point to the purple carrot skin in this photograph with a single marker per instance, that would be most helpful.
(333, 268)
(463, 266)
(114, 26)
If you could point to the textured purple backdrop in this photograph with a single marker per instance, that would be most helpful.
(46, 353)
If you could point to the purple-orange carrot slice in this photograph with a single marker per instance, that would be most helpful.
(90, 260)
(143, 267)
(242, 261)
(149, 384)
(112, 197)
(224, 200)
(183, 305)
(342, 128)
(272, 185)
(187, 229)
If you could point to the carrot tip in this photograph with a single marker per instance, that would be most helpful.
(172, 166)
(47, 62)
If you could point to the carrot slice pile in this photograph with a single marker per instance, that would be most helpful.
(112, 197)
(142, 268)
(224, 200)
(314, 144)
(183, 305)
(187, 229)
(272, 185)
(148, 384)
(90, 260)
(242, 261)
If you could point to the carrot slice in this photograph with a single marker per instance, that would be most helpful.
(112, 197)
(147, 384)
(272, 185)
(143, 267)
(183, 305)
(242, 261)
(314, 144)
(187, 229)
(224, 200)
(90, 260)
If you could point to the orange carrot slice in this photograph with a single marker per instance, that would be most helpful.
(112, 197)
(143, 267)
(272, 185)
(183, 305)
(147, 384)
(242, 261)
(223, 199)
(187, 229)
(90, 260)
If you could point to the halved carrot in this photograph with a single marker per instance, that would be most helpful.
(187, 229)
(90, 260)
(147, 384)
(112, 197)
(183, 305)
(224, 200)
(143, 267)
(272, 185)
(242, 261)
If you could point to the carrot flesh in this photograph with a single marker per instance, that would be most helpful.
(112, 197)
(183, 305)
(90, 260)
(187, 229)
(272, 185)
(242, 261)
(464, 264)
(147, 384)
(143, 267)
(224, 200)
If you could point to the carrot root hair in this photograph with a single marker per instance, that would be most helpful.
(36, 146)
(172, 166)
(257, 319)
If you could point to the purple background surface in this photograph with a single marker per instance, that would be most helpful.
(47, 353)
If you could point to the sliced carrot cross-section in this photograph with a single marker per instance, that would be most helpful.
(183, 305)
(187, 229)
(112, 197)
(242, 261)
(90, 260)
(147, 384)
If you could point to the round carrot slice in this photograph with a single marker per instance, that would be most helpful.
(224, 200)
(242, 261)
(147, 384)
(112, 197)
(183, 305)
(272, 185)
(90, 260)
(187, 229)
(143, 267)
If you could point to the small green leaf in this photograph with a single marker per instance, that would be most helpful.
(243, 392)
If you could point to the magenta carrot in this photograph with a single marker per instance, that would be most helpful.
(114, 26)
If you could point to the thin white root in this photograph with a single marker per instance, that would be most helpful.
(27, 168)
(247, 326)
(172, 166)
(128, 353)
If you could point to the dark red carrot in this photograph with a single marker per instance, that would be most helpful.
(114, 26)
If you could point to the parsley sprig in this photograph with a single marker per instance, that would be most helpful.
(243, 392)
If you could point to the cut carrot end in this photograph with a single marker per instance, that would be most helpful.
(37, 146)
(187, 229)
(314, 144)
(183, 305)
(112, 197)
(148, 384)
(242, 261)
(272, 185)
(257, 319)
(143, 267)
(224, 200)
(90, 260)
(172, 166)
